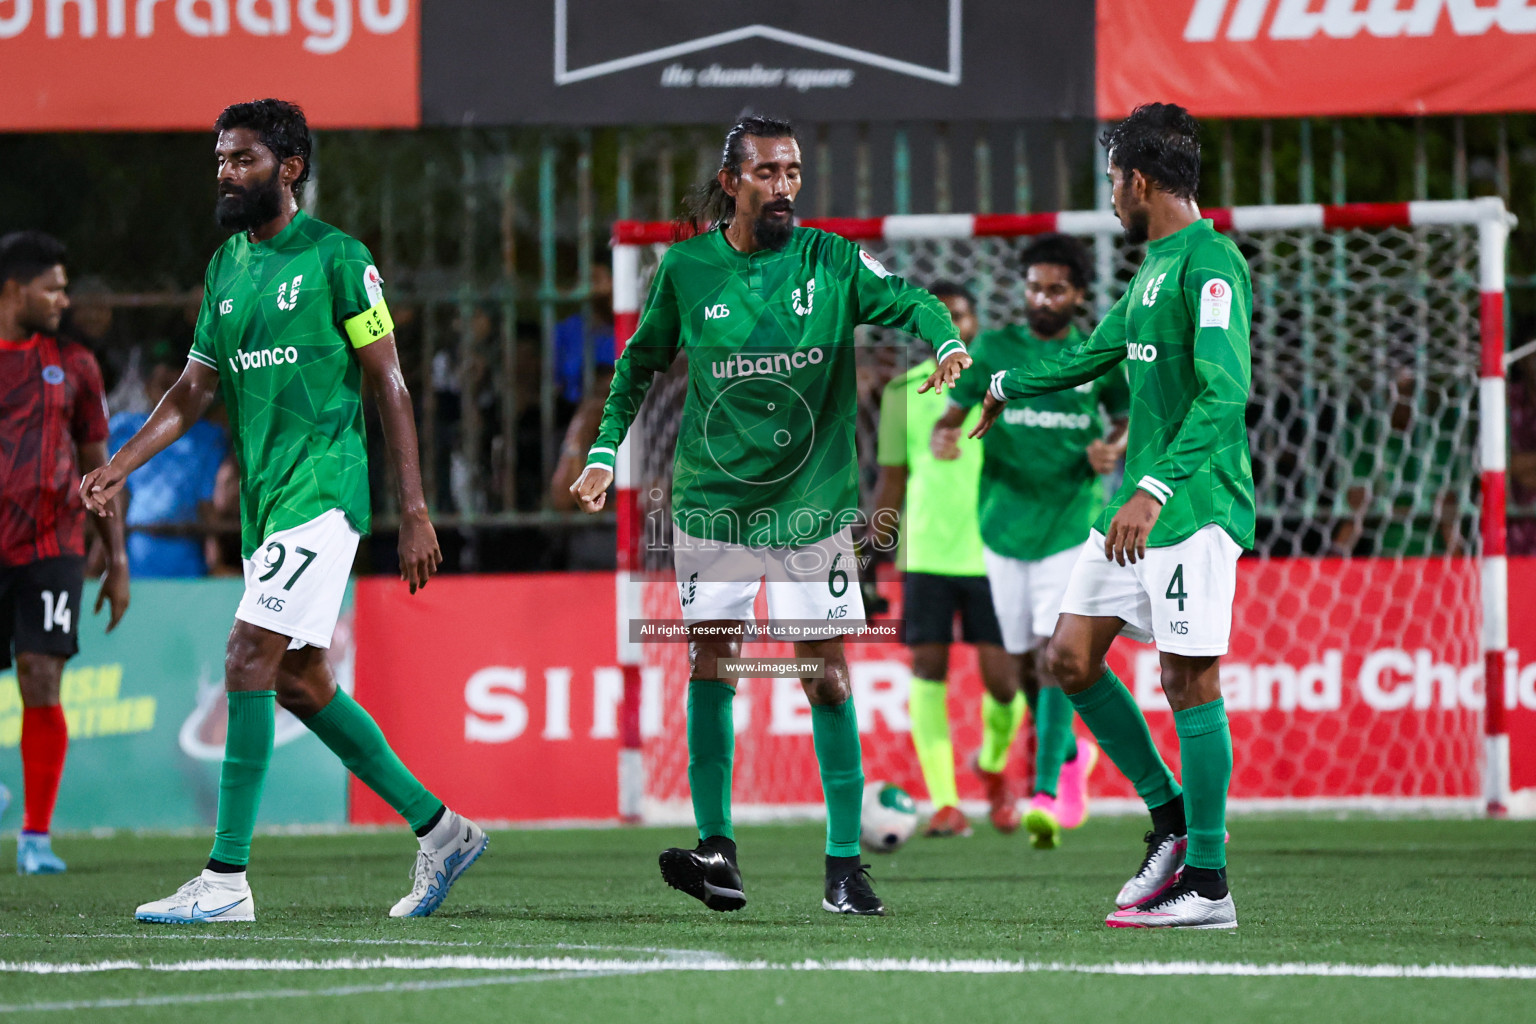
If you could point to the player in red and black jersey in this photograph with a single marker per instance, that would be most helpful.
(53, 429)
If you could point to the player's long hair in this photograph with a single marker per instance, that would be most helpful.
(281, 127)
(708, 206)
(1162, 141)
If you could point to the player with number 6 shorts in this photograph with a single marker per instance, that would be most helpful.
(293, 323)
(765, 479)
(1161, 564)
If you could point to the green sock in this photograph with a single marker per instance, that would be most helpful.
(1205, 748)
(835, 730)
(247, 752)
(1054, 740)
(1111, 714)
(930, 736)
(999, 725)
(354, 736)
(711, 752)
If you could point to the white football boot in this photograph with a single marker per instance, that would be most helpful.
(1158, 871)
(446, 852)
(210, 897)
(1179, 907)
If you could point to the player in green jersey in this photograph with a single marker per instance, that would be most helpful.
(765, 476)
(1040, 493)
(293, 324)
(1161, 564)
(943, 576)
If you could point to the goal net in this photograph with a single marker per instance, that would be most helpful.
(1372, 606)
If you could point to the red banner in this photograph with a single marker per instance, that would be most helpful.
(143, 65)
(1301, 58)
(1347, 680)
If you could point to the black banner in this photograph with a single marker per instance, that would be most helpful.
(699, 61)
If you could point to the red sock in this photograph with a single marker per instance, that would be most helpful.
(44, 738)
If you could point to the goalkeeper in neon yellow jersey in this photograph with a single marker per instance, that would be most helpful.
(1161, 564)
(765, 478)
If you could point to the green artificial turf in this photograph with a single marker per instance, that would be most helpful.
(1347, 892)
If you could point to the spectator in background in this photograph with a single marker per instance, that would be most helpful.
(1522, 457)
(578, 332)
(173, 488)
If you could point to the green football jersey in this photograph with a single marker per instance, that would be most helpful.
(277, 322)
(939, 534)
(765, 450)
(1183, 328)
(1038, 493)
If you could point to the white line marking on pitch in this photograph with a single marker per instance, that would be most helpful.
(205, 936)
(1143, 968)
(307, 993)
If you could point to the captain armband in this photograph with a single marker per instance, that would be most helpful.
(369, 326)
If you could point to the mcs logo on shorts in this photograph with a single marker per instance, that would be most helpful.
(270, 603)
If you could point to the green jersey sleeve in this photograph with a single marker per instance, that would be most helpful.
(357, 294)
(1066, 367)
(202, 334)
(1217, 298)
(891, 443)
(886, 300)
(1115, 394)
(649, 352)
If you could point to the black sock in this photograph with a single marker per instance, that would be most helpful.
(1208, 882)
(719, 844)
(224, 869)
(837, 866)
(1168, 818)
(432, 822)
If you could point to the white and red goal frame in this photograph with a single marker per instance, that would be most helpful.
(1487, 215)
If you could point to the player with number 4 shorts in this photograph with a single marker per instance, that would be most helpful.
(765, 478)
(1161, 564)
(293, 323)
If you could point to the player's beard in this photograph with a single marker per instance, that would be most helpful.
(1136, 226)
(774, 233)
(246, 209)
(1046, 323)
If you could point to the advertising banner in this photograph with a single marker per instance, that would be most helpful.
(1308, 58)
(145, 65)
(503, 693)
(698, 61)
(146, 714)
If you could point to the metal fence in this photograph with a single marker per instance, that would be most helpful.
(488, 238)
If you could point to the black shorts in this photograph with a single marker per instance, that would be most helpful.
(40, 607)
(930, 603)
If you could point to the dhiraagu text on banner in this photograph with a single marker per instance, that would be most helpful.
(146, 715)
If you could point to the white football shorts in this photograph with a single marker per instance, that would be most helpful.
(295, 582)
(815, 587)
(1179, 597)
(1027, 595)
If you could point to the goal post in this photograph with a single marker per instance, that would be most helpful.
(1377, 424)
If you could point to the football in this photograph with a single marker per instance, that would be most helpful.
(889, 817)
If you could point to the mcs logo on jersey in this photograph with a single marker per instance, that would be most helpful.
(780, 362)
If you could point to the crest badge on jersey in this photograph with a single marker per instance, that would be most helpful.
(809, 292)
(1149, 296)
(875, 266)
(53, 374)
(1216, 304)
(288, 295)
(373, 285)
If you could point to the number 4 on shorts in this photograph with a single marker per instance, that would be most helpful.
(1175, 590)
